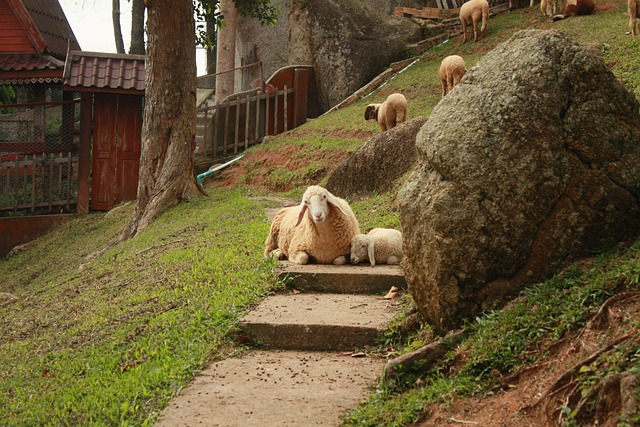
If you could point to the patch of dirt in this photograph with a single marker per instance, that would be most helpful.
(535, 396)
(256, 168)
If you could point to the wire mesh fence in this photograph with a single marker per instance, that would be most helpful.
(38, 157)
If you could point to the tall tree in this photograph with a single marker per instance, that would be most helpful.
(226, 51)
(168, 133)
(169, 126)
(117, 28)
(137, 27)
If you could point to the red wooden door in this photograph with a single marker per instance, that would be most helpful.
(116, 149)
(129, 127)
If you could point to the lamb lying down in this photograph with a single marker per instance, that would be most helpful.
(381, 245)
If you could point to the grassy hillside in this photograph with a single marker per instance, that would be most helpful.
(108, 340)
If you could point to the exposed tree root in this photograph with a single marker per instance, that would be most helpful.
(427, 355)
(589, 403)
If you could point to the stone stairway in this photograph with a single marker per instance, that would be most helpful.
(308, 367)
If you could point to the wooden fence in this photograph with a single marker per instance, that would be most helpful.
(38, 182)
(244, 120)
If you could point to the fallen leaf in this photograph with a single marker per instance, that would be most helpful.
(393, 292)
(358, 354)
(47, 373)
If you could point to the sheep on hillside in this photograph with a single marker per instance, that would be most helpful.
(471, 13)
(381, 245)
(451, 71)
(550, 7)
(576, 8)
(634, 12)
(320, 229)
(390, 113)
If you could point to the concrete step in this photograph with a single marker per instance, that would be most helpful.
(274, 389)
(352, 279)
(323, 322)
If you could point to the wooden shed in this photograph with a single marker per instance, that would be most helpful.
(112, 92)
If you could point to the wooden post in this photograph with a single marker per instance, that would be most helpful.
(301, 96)
(84, 156)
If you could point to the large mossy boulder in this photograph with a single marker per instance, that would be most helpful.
(533, 160)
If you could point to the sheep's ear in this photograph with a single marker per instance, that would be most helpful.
(372, 258)
(302, 209)
(332, 200)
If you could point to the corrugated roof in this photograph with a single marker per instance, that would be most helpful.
(104, 71)
(52, 24)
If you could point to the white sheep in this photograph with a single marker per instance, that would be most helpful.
(470, 14)
(320, 229)
(390, 113)
(634, 11)
(381, 245)
(550, 7)
(451, 71)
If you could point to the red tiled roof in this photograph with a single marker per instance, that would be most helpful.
(30, 68)
(104, 71)
(51, 22)
(19, 62)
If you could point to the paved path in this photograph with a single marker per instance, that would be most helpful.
(309, 370)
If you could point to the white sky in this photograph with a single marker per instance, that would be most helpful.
(91, 23)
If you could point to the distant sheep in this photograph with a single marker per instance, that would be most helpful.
(471, 13)
(451, 71)
(320, 229)
(634, 12)
(381, 245)
(576, 8)
(390, 113)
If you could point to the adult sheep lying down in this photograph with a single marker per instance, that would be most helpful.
(320, 229)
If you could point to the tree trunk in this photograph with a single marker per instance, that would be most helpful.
(211, 53)
(168, 132)
(137, 27)
(117, 29)
(226, 50)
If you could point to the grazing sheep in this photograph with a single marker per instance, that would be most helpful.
(634, 12)
(451, 71)
(381, 245)
(550, 7)
(576, 8)
(390, 113)
(320, 229)
(470, 14)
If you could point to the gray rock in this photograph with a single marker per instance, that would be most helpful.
(378, 162)
(348, 42)
(532, 161)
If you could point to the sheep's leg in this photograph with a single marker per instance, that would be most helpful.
(299, 258)
(341, 260)
(444, 87)
(464, 31)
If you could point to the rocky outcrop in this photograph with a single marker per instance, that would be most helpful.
(348, 42)
(534, 160)
(378, 162)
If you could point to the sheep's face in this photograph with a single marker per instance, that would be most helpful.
(315, 203)
(318, 207)
(359, 248)
(371, 113)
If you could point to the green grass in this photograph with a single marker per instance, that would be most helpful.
(508, 340)
(109, 341)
